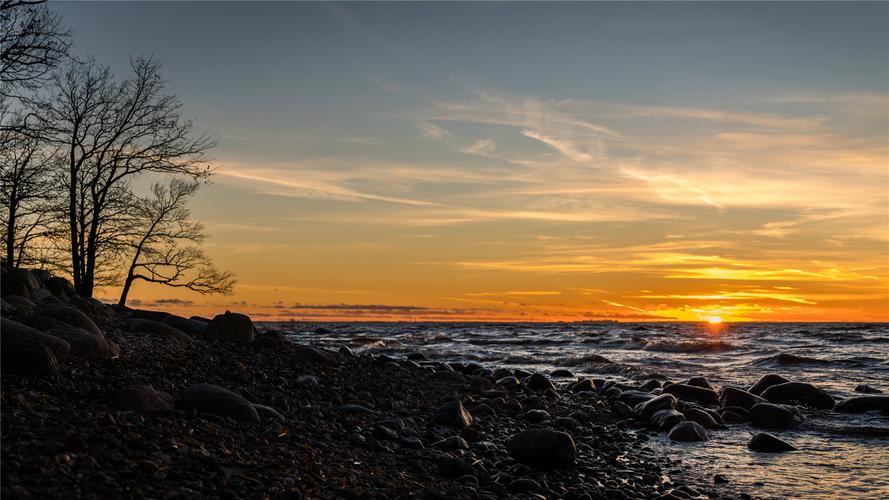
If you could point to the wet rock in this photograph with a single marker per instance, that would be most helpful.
(539, 382)
(500, 373)
(866, 389)
(521, 374)
(452, 414)
(800, 393)
(688, 431)
(26, 350)
(765, 382)
(767, 443)
(730, 417)
(700, 382)
(209, 398)
(230, 327)
(702, 417)
(345, 352)
(650, 385)
(732, 396)
(582, 385)
(543, 448)
(508, 383)
(621, 409)
(693, 393)
(666, 419)
(862, 404)
(480, 384)
(634, 398)
(774, 416)
(561, 373)
(648, 408)
(163, 330)
(142, 398)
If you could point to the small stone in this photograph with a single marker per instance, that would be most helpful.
(451, 468)
(866, 389)
(561, 373)
(523, 485)
(452, 443)
(452, 414)
(537, 416)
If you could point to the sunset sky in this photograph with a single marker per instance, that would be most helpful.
(500, 161)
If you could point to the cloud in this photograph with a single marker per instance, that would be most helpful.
(432, 131)
(480, 147)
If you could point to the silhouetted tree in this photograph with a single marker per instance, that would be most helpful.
(110, 133)
(26, 198)
(163, 244)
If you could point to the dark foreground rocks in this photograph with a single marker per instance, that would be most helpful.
(767, 443)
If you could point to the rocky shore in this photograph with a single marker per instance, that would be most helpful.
(106, 402)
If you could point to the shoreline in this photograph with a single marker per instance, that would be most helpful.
(134, 420)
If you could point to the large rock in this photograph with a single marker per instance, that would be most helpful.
(26, 350)
(799, 393)
(688, 431)
(157, 328)
(209, 398)
(767, 443)
(187, 325)
(650, 407)
(83, 343)
(774, 416)
(452, 414)
(693, 393)
(700, 382)
(765, 382)
(60, 287)
(666, 419)
(73, 317)
(732, 396)
(543, 448)
(142, 398)
(702, 417)
(539, 382)
(862, 404)
(13, 285)
(230, 327)
(633, 397)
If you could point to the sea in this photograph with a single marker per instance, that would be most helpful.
(839, 455)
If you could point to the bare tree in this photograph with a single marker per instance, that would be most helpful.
(32, 42)
(158, 254)
(111, 133)
(26, 198)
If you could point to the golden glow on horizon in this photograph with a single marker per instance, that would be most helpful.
(714, 320)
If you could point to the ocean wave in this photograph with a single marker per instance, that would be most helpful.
(786, 359)
(585, 359)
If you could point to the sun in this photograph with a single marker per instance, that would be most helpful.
(714, 320)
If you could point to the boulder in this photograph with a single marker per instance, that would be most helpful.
(142, 398)
(209, 398)
(688, 431)
(539, 382)
(28, 351)
(799, 393)
(693, 393)
(163, 330)
(230, 327)
(73, 317)
(452, 414)
(729, 417)
(774, 416)
(767, 443)
(732, 396)
(648, 408)
(700, 382)
(765, 382)
(543, 448)
(59, 287)
(704, 418)
(634, 398)
(187, 325)
(13, 285)
(862, 404)
(83, 343)
(40, 294)
(666, 419)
